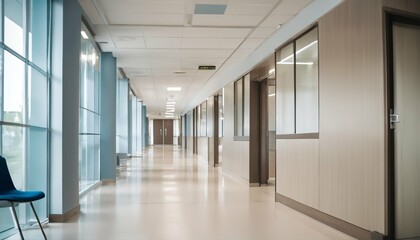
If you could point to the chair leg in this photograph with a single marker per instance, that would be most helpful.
(37, 219)
(17, 220)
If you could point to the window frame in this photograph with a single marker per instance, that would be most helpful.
(295, 135)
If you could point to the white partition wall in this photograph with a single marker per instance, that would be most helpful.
(235, 153)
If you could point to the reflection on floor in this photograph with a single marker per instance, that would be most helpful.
(168, 194)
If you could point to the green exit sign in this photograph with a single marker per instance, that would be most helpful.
(206, 67)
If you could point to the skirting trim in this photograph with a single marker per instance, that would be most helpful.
(329, 220)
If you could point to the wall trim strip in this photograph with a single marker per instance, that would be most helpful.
(329, 220)
(298, 136)
(241, 138)
(61, 218)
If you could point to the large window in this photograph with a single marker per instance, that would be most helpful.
(297, 85)
(203, 119)
(89, 122)
(241, 106)
(24, 34)
(122, 115)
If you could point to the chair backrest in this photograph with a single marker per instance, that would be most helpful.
(6, 182)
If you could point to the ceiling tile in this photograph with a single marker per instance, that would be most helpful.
(241, 53)
(112, 7)
(291, 7)
(125, 31)
(252, 43)
(273, 21)
(211, 43)
(148, 53)
(263, 32)
(163, 63)
(248, 9)
(148, 19)
(222, 53)
(226, 20)
(158, 32)
(163, 42)
(201, 32)
(137, 42)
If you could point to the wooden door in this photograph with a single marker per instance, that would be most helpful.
(157, 131)
(168, 132)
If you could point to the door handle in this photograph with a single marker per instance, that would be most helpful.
(393, 119)
(166, 132)
(160, 131)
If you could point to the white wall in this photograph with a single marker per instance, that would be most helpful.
(235, 153)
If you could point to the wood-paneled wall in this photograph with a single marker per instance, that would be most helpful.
(352, 114)
(351, 152)
(298, 170)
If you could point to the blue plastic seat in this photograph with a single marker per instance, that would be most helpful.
(11, 197)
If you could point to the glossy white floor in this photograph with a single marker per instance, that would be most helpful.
(169, 194)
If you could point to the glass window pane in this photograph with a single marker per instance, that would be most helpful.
(238, 86)
(14, 25)
(89, 122)
(203, 119)
(285, 92)
(37, 98)
(13, 149)
(37, 32)
(13, 145)
(89, 75)
(37, 175)
(246, 104)
(1, 40)
(14, 89)
(307, 83)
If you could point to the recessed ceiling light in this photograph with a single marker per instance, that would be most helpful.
(174, 89)
(84, 35)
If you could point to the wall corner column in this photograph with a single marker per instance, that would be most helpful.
(108, 171)
(64, 120)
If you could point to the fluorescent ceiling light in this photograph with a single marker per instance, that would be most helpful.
(272, 95)
(170, 110)
(298, 51)
(170, 102)
(271, 71)
(84, 35)
(174, 89)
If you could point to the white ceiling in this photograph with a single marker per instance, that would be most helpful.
(154, 39)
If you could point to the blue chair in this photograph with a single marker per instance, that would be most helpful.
(11, 197)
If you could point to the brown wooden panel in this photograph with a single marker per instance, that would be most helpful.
(254, 135)
(157, 131)
(263, 114)
(168, 130)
